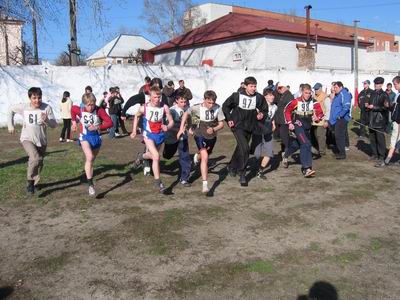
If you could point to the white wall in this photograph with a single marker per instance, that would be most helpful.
(253, 52)
(15, 81)
(207, 12)
(277, 53)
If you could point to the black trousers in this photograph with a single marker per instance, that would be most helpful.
(284, 135)
(240, 156)
(341, 136)
(378, 143)
(66, 129)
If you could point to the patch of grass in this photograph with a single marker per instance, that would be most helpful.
(51, 264)
(376, 244)
(268, 189)
(351, 236)
(346, 258)
(314, 246)
(219, 276)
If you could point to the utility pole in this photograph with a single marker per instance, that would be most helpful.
(356, 59)
(34, 32)
(74, 41)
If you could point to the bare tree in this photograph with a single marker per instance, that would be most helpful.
(165, 18)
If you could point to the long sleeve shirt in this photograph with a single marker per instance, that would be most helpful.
(303, 111)
(34, 129)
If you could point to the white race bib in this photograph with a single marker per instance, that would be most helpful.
(208, 115)
(154, 114)
(33, 118)
(247, 102)
(305, 107)
(88, 119)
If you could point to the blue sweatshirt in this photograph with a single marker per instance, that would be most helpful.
(341, 106)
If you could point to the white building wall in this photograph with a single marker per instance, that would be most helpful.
(239, 54)
(206, 13)
(330, 56)
(14, 33)
(281, 53)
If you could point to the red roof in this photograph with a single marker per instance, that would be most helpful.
(235, 26)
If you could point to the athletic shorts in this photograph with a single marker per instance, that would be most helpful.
(264, 149)
(157, 138)
(94, 140)
(203, 143)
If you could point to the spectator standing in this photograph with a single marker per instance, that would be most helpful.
(377, 108)
(182, 90)
(339, 117)
(169, 92)
(146, 87)
(65, 111)
(363, 98)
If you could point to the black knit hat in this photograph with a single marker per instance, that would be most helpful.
(379, 80)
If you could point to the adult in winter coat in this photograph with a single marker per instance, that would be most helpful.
(363, 98)
(242, 110)
(182, 90)
(169, 92)
(339, 117)
(65, 111)
(377, 108)
(285, 97)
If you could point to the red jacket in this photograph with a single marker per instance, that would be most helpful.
(98, 117)
(302, 110)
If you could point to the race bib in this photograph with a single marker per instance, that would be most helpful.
(88, 119)
(208, 115)
(305, 107)
(154, 114)
(247, 102)
(179, 111)
(33, 118)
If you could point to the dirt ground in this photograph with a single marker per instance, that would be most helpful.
(274, 239)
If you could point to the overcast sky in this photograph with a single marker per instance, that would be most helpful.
(378, 15)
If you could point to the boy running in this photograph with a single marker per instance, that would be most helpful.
(242, 110)
(207, 118)
(92, 120)
(261, 141)
(154, 130)
(172, 143)
(300, 113)
(36, 117)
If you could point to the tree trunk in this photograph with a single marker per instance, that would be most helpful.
(74, 41)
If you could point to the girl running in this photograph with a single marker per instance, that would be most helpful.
(92, 120)
(153, 114)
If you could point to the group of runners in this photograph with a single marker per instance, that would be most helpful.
(249, 115)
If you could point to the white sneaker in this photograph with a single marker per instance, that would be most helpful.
(117, 134)
(146, 167)
(205, 188)
(196, 159)
(92, 191)
(69, 141)
(61, 140)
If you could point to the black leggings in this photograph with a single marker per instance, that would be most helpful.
(66, 128)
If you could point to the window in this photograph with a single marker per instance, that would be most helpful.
(130, 61)
(119, 61)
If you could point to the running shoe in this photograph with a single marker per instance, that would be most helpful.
(69, 141)
(205, 189)
(138, 163)
(160, 186)
(260, 175)
(92, 191)
(30, 188)
(146, 167)
(61, 140)
(232, 172)
(196, 160)
(185, 183)
(243, 180)
(309, 173)
(285, 162)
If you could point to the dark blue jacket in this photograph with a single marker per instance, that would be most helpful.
(341, 106)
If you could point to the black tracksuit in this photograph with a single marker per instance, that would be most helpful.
(242, 109)
(283, 128)
(363, 98)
